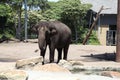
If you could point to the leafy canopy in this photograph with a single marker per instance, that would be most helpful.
(5, 9)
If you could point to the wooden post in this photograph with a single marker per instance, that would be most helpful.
(93, 24)
(118, 34)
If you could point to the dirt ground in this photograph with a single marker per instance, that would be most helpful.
(91, 55)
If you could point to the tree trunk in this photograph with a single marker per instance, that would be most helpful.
(18, 29)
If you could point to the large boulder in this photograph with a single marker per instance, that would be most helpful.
(43, 75)
(70, 64)
(53, 67)
(29, 63)
(112, 74)
(65, 64)
(13, 75)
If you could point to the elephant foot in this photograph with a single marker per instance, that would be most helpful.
(43, 63)
(58, 61)
(51, 61)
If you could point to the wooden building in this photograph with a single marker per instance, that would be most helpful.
(106, 25)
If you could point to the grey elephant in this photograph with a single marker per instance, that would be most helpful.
(56, 35)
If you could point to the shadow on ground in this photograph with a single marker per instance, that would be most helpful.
(8, 60)
(99, 57)
(86, 58)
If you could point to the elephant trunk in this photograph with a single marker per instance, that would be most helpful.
(42, 42)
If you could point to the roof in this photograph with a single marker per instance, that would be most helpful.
(110, 6)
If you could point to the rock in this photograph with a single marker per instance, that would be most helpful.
(43, 75)
(76, 63)
(65, 64)
(28, 63)
(112, 74)
(50, 68)
(70, 64)
(13, 75)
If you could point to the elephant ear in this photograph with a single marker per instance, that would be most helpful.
(34, 28)
(53, 31)
(52, 28)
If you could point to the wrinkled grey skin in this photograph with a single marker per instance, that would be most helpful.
(56, 35)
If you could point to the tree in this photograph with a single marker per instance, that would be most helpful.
(16, 6)
(17, 13)
(73, 14)
(5, 21)
(4, 13)
(54, 11)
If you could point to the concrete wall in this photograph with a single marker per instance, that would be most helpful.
(102, 34)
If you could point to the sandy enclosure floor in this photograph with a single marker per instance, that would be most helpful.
(91, 55)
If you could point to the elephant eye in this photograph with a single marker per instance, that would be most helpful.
(46, 32)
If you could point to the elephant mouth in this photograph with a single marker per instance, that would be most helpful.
(42, 45)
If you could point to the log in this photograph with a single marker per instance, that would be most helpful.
(92, 26)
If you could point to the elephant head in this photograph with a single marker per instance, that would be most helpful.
(45, 31)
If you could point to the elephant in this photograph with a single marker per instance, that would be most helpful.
(56, 35)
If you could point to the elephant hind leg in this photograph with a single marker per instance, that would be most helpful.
(65, 52)
(59, 54)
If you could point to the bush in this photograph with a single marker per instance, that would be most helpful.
(93, 39)
(6, 35)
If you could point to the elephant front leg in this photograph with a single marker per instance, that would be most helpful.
(42, 53)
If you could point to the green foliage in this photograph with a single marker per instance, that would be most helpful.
(5, 10)
(34, 17)
(54, 12)
(7, 34)
(73, 9)
(7, 21)
(93, 39)
(15, 4)
(82, 34)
